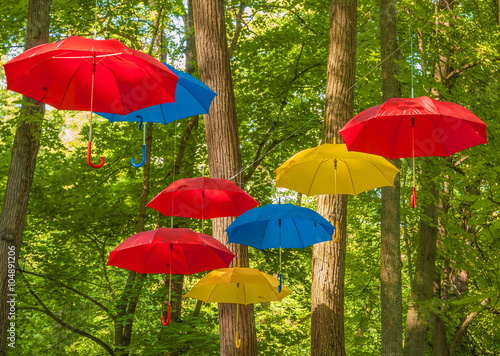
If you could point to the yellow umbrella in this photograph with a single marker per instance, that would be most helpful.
(238, 285)
(331, 169)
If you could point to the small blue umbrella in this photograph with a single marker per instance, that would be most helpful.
(192, 97)
(280, 226)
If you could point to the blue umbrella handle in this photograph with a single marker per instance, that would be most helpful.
(140, 164)
(280, 286)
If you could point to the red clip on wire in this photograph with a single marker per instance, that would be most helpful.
(413, 197)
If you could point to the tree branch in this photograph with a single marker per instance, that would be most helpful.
(260, 157)
(89, 298)
(237, 30)
(461, 332)
(46, 311)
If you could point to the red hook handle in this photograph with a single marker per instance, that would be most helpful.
(413, 197)
(89, 157)
(167, 321)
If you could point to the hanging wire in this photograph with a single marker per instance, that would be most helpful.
(174, 173)
(95, 20)
(413, 202)
(411, 62)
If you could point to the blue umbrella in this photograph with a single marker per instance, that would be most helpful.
(279, 226)
(192, 97)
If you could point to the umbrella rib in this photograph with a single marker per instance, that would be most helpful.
(244, 294)
(350, 177)
(139, 67)
(314, 176)
(441, 139)
(164, 115)
(383, 175)
(298, 234)
(147, 258)
(69, 83)
(182, 80)
(185, 259)
(263, 236)
(395, 137)
(210, 294)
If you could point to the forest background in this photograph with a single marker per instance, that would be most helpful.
(68, 299)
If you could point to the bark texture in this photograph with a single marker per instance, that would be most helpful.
(223, 153)
(327, 299)
(417, 320)
(21, 171)
(390, 250)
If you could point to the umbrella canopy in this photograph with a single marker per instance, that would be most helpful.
(331, 169)
(202, 198)
(414, 127)
(79, 73)
(237, 285)
(192, 97)
(279, 225)
(170, 250)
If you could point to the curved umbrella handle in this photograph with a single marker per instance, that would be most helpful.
(280, 286)
(237, 340)
(89, 157)
(140, 164)
(336, 235)
(166, 321)
(413, 199)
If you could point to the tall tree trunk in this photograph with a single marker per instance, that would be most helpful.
(390, 248)
(223, 152)
(328, 265)
(439, 343)
(417, 320)
(20, 179)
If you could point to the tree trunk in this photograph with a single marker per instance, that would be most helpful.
(223, 152)
(133, 286)
(439, 343)
(417, 319)
(328, 266)
(20, 179)
(390, 249)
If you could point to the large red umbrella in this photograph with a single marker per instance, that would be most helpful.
(414, 127)
(202, 198)
(172, 251)
(79, 73)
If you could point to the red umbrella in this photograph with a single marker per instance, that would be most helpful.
(202, 198)
(78, 73)
(414, 127)
(172, 251)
